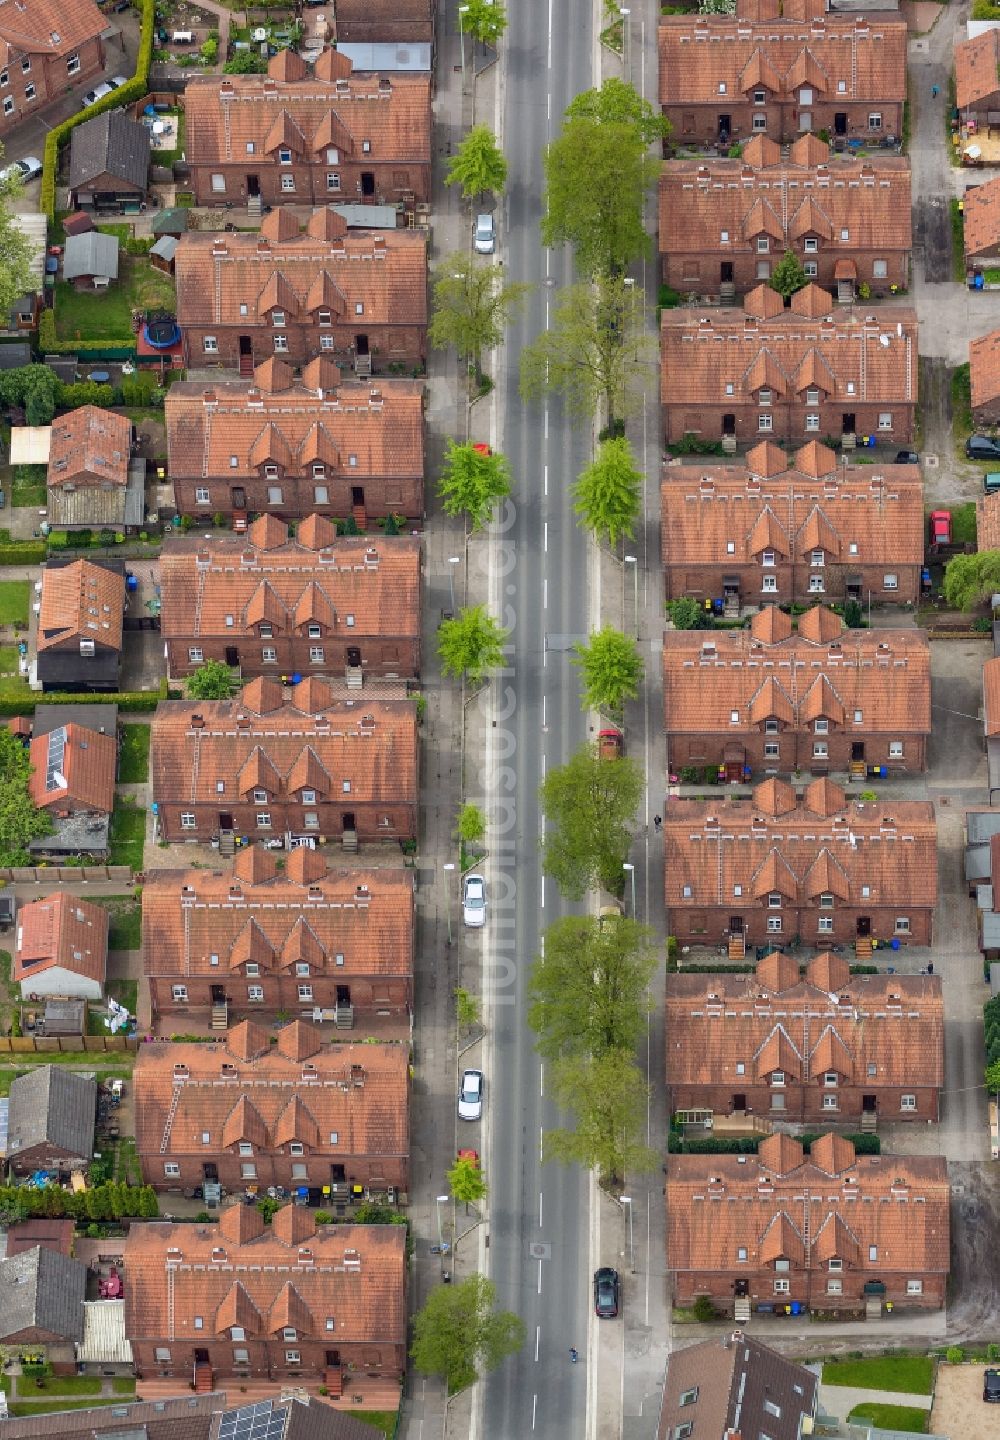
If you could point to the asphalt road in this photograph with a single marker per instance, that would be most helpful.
(544, 596)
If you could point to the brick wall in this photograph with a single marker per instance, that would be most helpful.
(393, 181)
(383, 495)
(387, 344)
(700, 123)
(706, 582)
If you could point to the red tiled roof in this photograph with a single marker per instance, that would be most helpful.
(81, 601)
(63, 931)
(47, 27)
(991, 697)
(87, 443)
(83, 760)
(976, 66)
(984, 369)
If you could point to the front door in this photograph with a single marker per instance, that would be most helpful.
(333, 1357)
(225, 820)
(857, 750)
(869, 1104)
(357, 495)
(361, 344)
(349, 820)
(726, 272)
(840, 122)
(246, 356)
(253, 184)
(210, 1172)
(338, 1175)
(354, 655)
(725, 128)
(736, 924)
(739, 1102)
(864, 926)
(343, 995)
(232, 656)
(848, 423)
(218, 994)
(237, 494)
(729, 424)
(367, 185)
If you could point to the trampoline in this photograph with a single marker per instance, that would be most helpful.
(161, 331)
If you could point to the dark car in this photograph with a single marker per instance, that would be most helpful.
(606, 1294)
(982, 447)
(991, 1387)
(907, 457)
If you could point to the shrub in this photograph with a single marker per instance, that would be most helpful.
(704, 1310)
(323, 1217)
(954, 1354)
(136, 390)
(84, 392)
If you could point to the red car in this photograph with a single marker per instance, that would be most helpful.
(610, 744)
(940, 527)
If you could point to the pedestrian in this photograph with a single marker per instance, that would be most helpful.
(934, 92)
(657, 822)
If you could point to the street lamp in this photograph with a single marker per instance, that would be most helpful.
(633, 561)
(627, 1200)
(462, 10)
(449, 865)
(631, 871)
(453, 560)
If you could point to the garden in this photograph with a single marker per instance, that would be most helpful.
(133, 757)
(107, 314)
(128, 835)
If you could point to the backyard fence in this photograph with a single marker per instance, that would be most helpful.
(65, 1044)
(50, 876)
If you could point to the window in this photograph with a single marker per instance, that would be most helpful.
(321, 495)
(689, 1397)
(875, 120)
(687, 892)
(816, 585)
(759, 122)
(237, 1333)
(316, 655)
(250, 147)
(829, 1102)
(765, 395)
(241, 1356)
(826, 924)
(202, 495)
(722, 87)
(771, 750)
(872, 1068)
(308, 798)
(305, 993)
(895, 749)
(333, 183)
(846, 235)
(281, 344)
(275, 495)
(4, 77)
(8, 105)
(778, 1077)
(770, 584)
(782, 1287)
(259, 796)
(72, 65)
(734, 717)
(326, 342)
(252, 968)
(890, 582)
(767, 557)
(782, 1266)
(902, 924)
(826, 901)
(806, 96)
(730, 547)
(880, 269)
(907, 1102)
(682, 1432)
(741, 1252)
(292, 1357)
(866, 891)
(25, 66)
(210, 345)
(199, 1322)
(278, 318)
(302, 968)
(774, 900)
(811, 245)
(347, 787)
(206, 1137)
(763, 244)
(289, 1333)
(359, 307)
(265, 631)
(288, 182)
(859, 716)
(171, 1169)
(773, 1409)
(811, 269)
(188, 821)
(255, 993)
(914, 1287)
(821, 750)
(244, 308)
(311, 820)
(760, 97)
(852, 547)
(812, 421)
(872, 1252)
(284, 155)
(313, 631)
(162, 1355)
(263, 820)
(332, 155)
(179, 992)
(195, 654)
(269, 654)
(741, 1068)
(774, 924)
(835, 1287)
(885, 420)
(218, 184)
(366, 147)
(248, 1170)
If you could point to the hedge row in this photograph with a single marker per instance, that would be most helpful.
(991, 1026)
(50, 344)
(127, 700)
(23, 552)
(135, 89)
(866, 1144)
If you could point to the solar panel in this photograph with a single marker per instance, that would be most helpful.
(54, 762)
(253, 1422)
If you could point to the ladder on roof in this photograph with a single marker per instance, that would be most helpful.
(174, 1102)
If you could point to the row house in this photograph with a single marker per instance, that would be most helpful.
(292, 446)
(725, 224)
(358, 298)
(814, 868)
(808, 370)
(391, 22)
(306, 940)
(275, 604)
(817, 1047)
(45, 49)
(830, 1230)
(286, 761)
(309, 135)
(988, 522)
(241, 1301)
(726, 78)
(783, 529)
(299, 1113)
(81, 621)
(984, 382)
(782, 699)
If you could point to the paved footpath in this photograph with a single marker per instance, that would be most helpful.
(840, 1400)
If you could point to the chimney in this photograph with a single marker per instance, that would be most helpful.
(378, 246)
(367, 725)
(197, 722)
(371, 558)
(219, 247)
(243, 722)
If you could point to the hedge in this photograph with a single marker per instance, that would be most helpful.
(991, 1026)
(866, 1144)
(23, 552)
(50, 344)
(126, 700)
(135, 89)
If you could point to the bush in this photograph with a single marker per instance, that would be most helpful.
(129, 700)
(323, 1217)
(704, 1310)
(954, 1354)
(137, 389)
(84, 392)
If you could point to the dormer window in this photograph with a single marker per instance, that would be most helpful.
(284, 156)
(302, 968)
(266, 630)
(314, 632)
(806, 96)
(764, 397)
(778, 1077)
(817, 558)
(325, 317)
(332, 155)
(826, 902)
(760, 97)
(260, 796)
(822, 727)
(770, 727)
(277, 318)
(308, 798)
(767, 558)
(774, 901)
(763, 244)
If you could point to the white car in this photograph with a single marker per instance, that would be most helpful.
(484, 236)
(470, 1096)
(98, 93)
(117, 81)
(27, 169)
(474, 901)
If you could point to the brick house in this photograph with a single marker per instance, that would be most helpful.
(817, 1048)
(62, 948)
(724, 79)
(45, 49)
(724, 224)
(815, 866)
(51, 1121)
(831, 1230)
(300, 1113)
(355, 297)
(359, 22)
(357, 601)
(764, 372)
(981, 226)
(241, 1301)
(977, 88)
(80, 626)
(286, 761)
(74, 771)
(739, 1387)
(782, 528)
(43, 1310)
(334, 447)
(303, 135)
(306, 940)
(783, 700)
(984, 381)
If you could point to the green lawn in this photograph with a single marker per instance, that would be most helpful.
(963, 523)
(384, 1420)
(123, 1385)
(126, 922)
(912, 1374)
(128, 836)
(133, 760)
(18, 1410)
(28, 488)
(892, 1417)
(58, 1385)
(15, 597)
(8, 659)
(95, 314)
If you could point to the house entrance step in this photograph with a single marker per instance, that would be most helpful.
(741, 1311)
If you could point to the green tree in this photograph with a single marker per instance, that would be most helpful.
(459, 1333)
(993, 1078)
(245, 63)
(472, 306)
(589, 806)
(15, 250)
(20, 819)
(609, 492)
(970, 578)
(588, 992)
(467, 1182)
(789, 275)
(471, 644)
(211, 681)
(607, 1097)
(484, 20)
(478, 164)
(685, 613)
(598, 171)
(593, 351)
(471, 824)
(472, 483)
(611, 669)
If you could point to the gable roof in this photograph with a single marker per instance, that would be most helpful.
(81, 601)
(43, 1290)
(366, 916)
(359, 20)
(47, 27)
(49, 1103)
(89, 446)
(73, 768)
(61, 930)
(91, 254)
(110, 144)
(733, 1377)
(976, 66)
(981, 217)
(984, 370)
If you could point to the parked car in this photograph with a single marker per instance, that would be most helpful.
(117, 81)
(611, 744)
(991, 1387)
(472, 1156)
(470, 1095)
(606, 1286)
(940, 527)
(991, 482)
(907, 457)
(98, 93)
(30, 167)
(484, 236)
(982, 447)
(474, 901)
